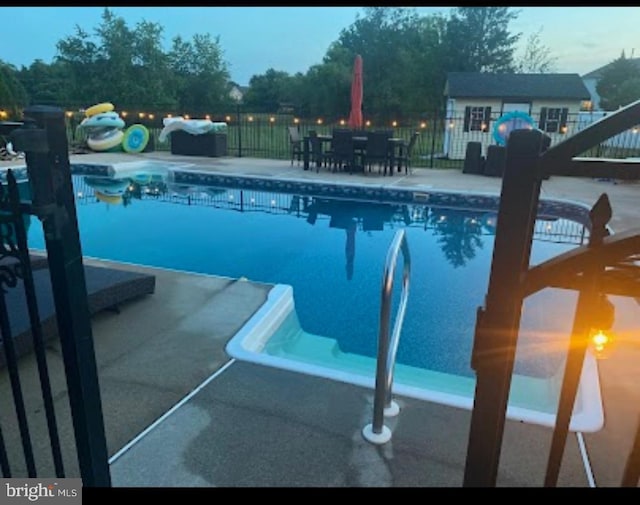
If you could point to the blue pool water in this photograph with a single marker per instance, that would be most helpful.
(332, 252)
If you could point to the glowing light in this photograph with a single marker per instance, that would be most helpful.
(483, 127)
(141, 115)
(230, 197)
(80, 194)
(273, 202)
(296, 120)
(451, 124)
(132, 187)
(250, 118)
(423, 125)
(152, 116)
(548, 227)
(272, 119)
(187, 116)
(502, 128)
(368, 123)
(227, 118)
(634, 130)
(342, 122)
(319, 121)
(394, 124)
(601, 343)
(169, 115)
(3, 113)
(124, 113)
(69, 113)
(208, 117)
(563, 129)
(253, 200)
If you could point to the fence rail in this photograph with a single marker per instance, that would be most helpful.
(441, 144)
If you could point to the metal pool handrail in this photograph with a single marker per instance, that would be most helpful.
(377, 432)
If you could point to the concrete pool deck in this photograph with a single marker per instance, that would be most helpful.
(257, 426)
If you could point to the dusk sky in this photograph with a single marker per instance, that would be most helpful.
(292, 39)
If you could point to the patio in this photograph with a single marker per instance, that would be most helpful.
(257, 426)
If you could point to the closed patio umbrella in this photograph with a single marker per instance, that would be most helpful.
(355, 117)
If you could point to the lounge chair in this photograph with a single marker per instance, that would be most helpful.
(106, 289)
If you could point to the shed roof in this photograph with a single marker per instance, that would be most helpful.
(515, 86)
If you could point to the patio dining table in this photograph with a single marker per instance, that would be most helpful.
(396, 148)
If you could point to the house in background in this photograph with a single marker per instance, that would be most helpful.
(476, 100)
(237, 92)
(592, 78)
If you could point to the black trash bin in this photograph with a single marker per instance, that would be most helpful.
(473, 162)
(496, 159)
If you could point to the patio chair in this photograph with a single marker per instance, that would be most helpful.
(318, 155)
(377, 150)
(404, 158)
(295, 143)
(343, 153)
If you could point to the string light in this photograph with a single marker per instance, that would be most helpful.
(423, 125)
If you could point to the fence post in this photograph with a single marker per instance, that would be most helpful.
(44, 140)
(239, 130)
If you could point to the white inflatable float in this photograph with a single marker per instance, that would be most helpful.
(192, 126)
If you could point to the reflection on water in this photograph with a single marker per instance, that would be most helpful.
(332, 252)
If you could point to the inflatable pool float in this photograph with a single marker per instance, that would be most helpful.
(135, 139)
(516, 120)
(99, 108)
(192, 126)
(103, 126)
(110, 140)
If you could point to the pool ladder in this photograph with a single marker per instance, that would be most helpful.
(383, 404)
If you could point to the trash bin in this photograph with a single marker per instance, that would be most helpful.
(496, 159)
(473, 162)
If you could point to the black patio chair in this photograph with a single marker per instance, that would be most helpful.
(295, 142)
(404, 158)
(377, 150)
(342, 151)
(318, 155)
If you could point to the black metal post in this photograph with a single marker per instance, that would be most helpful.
(498, 324)
(47, 159)
(239, 130)
(585, 309)
(433, 140)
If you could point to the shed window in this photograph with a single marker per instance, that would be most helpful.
(553, 119)
(477, 119)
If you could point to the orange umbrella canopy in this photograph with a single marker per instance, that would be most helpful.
(355, 117)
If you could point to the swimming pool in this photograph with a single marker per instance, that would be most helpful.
(324, 248)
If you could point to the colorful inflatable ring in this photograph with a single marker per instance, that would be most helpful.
(110, 199)
(136, 138)
(98, 108)
(102, 121)
(516, 120)
(106, 141)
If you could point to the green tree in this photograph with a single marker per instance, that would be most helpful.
(619, 83)
(13, 96)
(201, 73)
(478, 39)
(267, 91)
(46, 83)
(536, 57)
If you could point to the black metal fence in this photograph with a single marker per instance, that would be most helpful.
(441, 144)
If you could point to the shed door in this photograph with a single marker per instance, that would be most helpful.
(511, 107)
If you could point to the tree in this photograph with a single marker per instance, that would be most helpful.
(619, 83)
(478, 39)
(536, 57)
(267, 91)
(201, 73)
(13, 96)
